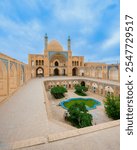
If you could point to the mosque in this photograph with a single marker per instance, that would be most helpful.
(59, 62)
(55, 61)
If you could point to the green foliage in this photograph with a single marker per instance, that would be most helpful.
(85, 120)
(112, 106)
(89, 102)
(80, 90)
(58, 91)
(79, 116)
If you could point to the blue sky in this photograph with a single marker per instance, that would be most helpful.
(93, 26)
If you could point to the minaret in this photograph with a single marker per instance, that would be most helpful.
(46, 41)
(69, 43)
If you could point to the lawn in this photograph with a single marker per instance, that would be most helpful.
(88, 103)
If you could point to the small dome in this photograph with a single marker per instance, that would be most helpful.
(54, 46)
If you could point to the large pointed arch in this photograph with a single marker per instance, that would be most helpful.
(22, 75)
(39, 72)
(13, 78)
(75, 71)
(3, 79)
(56, 72)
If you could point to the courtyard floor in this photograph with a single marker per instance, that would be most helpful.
(23, 116)
(99, 115)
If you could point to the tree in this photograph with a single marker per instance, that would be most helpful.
(112, 106)
(80, 90)
(58, 91)
(79, 116)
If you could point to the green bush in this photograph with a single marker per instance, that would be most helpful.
(58, 91)
(79, 116)
(80, 90)
(112, 106)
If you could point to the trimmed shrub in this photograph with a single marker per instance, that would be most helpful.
(58, 91)
(80, 90)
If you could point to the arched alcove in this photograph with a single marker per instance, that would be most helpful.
(39, 72)
(3, 79)
(113, 73)
(12, 78)
(56, 63)
(56, 72)
(75, 71)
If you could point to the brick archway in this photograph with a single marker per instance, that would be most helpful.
(75, 71)
(13, 78)
(56, 72)
(3, 79)
(83, 83)
(39, 72)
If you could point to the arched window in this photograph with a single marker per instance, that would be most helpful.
(39, 62)
(56, 63)
(36, 62)
(72, 63)
(42, 62)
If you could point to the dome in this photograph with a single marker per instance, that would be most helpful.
(54, 46)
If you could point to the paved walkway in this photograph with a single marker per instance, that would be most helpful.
(24, 116)
(108, 139)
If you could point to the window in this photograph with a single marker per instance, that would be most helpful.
(36, 62)
(39, 62)
(42, 62)
(56, 63)
(72, 63)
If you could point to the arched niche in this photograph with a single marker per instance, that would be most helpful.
(113, 73)
(12, 78)
(3, 79)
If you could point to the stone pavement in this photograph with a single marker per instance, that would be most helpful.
(108, 139)
(24, 122)
(23, 115)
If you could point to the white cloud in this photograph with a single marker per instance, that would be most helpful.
(86, 12)
(24, 36)
(78, 9)
(20, 39)
(113, 40)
